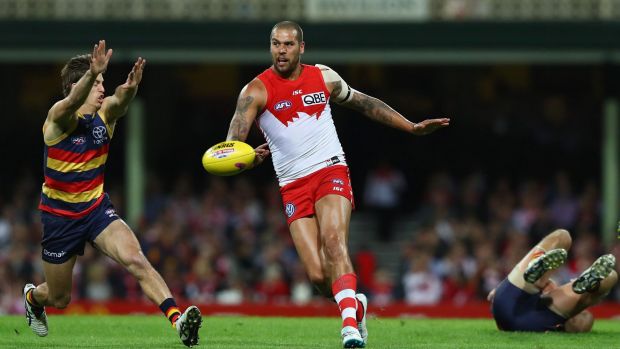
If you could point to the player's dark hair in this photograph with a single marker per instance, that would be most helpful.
(75, 68)
(291, 26)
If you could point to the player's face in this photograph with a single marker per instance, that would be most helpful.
(285, 51)
(97, 93)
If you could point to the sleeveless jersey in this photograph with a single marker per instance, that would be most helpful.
(297, 124)
(73, 165)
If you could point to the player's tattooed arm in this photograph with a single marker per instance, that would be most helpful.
(239, 126)
(379, 111)
(252, 99)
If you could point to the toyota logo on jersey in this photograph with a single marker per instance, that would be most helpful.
(99, 132)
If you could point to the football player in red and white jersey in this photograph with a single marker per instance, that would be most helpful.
(290, 103)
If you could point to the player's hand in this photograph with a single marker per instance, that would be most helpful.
(491, 295)
(262, 152)
(429, 126)
(99, 58)
(135, 75)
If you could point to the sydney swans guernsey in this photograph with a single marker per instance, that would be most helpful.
(297, 124)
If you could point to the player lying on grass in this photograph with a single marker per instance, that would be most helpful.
(74, 207)
(528, 300)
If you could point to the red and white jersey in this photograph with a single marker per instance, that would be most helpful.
(298, 125)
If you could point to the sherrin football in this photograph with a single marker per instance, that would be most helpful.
(228, 158)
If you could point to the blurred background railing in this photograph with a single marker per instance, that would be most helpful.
(313, 10)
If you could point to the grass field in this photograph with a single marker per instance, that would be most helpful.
(76, 331)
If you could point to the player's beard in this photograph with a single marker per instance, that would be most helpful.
(289, 68)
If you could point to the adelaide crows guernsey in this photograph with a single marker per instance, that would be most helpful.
(73, 165)
(297, 124)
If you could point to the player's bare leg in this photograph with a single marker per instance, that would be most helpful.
(55, 292)
(305, 234)
(333, 213)
(120, 243)
(558, 239)
(570, 303)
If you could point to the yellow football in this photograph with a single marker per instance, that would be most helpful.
(228, 158)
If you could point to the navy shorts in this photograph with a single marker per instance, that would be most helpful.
(65, 237)
(517, 310)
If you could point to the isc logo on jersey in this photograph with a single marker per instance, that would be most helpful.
(314, 98)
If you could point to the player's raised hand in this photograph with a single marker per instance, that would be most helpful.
(262, 152)
(135, 75)
(429, 125)
(99, 58)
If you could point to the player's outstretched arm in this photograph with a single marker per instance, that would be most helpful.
(64, 110)
(374, 108)
(378, 110)
(252, 99)
(116, 105)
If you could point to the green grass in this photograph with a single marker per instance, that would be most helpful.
(78, 331)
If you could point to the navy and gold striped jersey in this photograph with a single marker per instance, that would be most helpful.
(73, 165)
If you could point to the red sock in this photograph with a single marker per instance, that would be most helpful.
(344, 294)
(359, 313)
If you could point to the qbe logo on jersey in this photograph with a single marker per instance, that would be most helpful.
(314, 98)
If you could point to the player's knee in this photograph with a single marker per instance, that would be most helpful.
(563, 237)
(334, 246)
(581, 322)
(60, 301)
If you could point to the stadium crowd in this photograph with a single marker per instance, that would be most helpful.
(480, 193)
(230, 244)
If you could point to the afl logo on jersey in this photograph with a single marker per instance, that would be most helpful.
(78, 140)
(314, 98)
(289, 209)
(282, 105)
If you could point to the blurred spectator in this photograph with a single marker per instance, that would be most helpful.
(421, 286)
(230, 244)
(365, 264)
(381, 292)
(563, 206)
(382, 195)
(301, 288)
(97, 286)
(272, 287)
